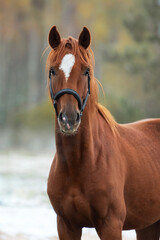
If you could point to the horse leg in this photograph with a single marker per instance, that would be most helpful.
(67, 232)
(150, 233)
(110, 229)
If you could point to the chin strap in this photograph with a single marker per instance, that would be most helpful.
(60, 93)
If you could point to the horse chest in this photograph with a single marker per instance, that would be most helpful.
(80, 208)
(76, 206)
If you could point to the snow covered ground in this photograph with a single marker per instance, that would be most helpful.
(37, 224)
(25, 211)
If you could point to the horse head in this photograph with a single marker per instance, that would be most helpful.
(70, 70)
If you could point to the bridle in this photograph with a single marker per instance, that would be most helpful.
(55, 97)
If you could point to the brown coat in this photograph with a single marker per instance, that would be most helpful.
(107, 175)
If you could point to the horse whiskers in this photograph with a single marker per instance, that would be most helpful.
(44, 51)
(59, 131)
(101, 86)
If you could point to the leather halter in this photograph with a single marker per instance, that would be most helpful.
(55, 97)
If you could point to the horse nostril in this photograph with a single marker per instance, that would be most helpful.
(70, 119)
(61, 117)
(78, 117)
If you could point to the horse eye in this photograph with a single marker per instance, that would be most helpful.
(52, 72)
(86, 72)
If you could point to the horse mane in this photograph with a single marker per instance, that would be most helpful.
(105, 113)
(86, 57)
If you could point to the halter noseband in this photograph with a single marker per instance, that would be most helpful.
(60, 93)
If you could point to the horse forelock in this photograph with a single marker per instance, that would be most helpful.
(70, 45)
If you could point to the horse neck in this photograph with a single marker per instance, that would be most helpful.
(73, 150)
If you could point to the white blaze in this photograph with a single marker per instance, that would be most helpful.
(67, 64)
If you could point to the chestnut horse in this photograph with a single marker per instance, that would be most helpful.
(104, 175)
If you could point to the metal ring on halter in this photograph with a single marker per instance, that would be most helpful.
(60, 93)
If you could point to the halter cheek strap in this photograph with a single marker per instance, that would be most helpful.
(55, 97)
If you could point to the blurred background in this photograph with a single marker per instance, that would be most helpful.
(126, 44)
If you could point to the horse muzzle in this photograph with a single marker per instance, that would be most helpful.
(69, 123)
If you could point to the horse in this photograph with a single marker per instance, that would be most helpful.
(104, 175)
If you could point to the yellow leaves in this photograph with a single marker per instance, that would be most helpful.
(86, 9)
(100, 29)
(24, 3)
(124, 39)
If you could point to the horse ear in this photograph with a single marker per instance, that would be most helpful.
(54, 37)
(84, 38)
